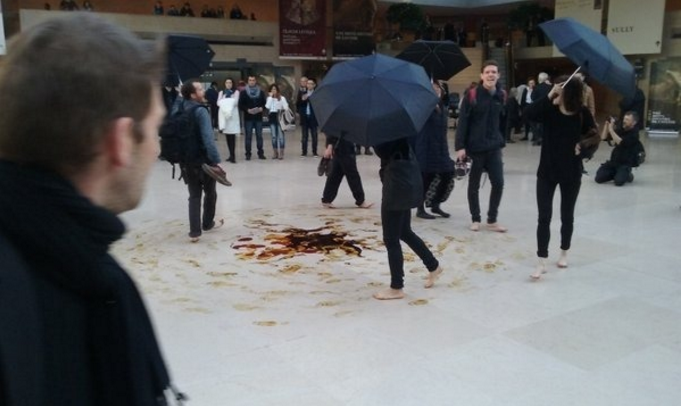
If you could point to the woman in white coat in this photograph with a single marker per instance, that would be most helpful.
(229, 116)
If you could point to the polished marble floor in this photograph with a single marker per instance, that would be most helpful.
(241, 324)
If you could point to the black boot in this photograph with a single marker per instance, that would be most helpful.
(421, 213)
(435, 209)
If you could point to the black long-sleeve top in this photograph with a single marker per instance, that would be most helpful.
(562, 132)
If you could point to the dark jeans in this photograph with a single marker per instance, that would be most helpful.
(396, 227)
(197, 182)
(309, 126)
(343, 165)
(492, 163)
(257, 125)
(611, 171)
(546, 188)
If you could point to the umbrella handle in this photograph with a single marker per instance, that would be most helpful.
(571, 76)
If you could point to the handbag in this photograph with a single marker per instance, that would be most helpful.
(402, 183)
(589, 140)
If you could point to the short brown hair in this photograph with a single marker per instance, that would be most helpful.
(489, 62)
(65, 81)
(188, 88)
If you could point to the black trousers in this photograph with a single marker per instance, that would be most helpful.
(343, 165)
(612, 171)
(492, 163)
(396, 227)
(546, 188)
(309, 126)
(199, 182)
(230, 140)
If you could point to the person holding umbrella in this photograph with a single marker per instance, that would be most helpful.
(478, 136)
(564, 119)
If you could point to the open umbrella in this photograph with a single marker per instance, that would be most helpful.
(374, 99)
(441, 59)
(592, 51)
(188, 57)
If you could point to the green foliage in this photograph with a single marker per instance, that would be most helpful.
(408, 15)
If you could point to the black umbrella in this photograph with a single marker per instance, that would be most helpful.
(374, 99)
(441, 59)
(592, 51)
(188, 57)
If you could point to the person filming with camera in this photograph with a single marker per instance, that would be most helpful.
(625, 141)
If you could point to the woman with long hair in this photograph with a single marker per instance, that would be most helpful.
(229, 115)
(564, 120)
(276, 104)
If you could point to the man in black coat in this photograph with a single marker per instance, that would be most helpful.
(625, 140)
(540, 91)
(478, 136)
(74, 330)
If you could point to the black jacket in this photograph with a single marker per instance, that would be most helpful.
(624, 153)
(557, 160)
(431, 147)
(245, 103)
(85, 338)
(478, 123)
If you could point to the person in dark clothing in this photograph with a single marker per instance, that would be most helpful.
(211, 94)
(201, 216)
(169, 94)
(540, 91)
(252, 103)
(637, 104)
(343, 164)
(479, 137)
(626, 139)
(432, 152)
(186, 11)
(396, 227)
(526, 100)
(308, 120)
(512, 120)
(564, 119)
(74, 330)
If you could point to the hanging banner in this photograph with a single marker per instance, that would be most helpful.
(3, 45)
(353, 22)
(302, 29)
(664, 96)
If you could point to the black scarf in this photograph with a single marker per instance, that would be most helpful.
(64, 238)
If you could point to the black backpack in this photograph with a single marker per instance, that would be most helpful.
(639, 154)
(180, 139)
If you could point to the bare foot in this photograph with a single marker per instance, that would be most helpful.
(365, 205)
(539, 270)
(496, 227)
(389, 294)
(475, 226)
(217, 224)
(328, 205)
(432, 277)
(194, 239)
(563, 260)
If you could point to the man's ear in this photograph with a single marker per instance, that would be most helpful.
(119, 142)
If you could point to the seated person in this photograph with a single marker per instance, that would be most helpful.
(622, 159)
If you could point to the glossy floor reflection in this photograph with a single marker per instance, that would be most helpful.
(242, 323)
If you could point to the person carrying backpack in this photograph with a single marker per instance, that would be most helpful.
(203, 151)
(478, 136)
(626, 151)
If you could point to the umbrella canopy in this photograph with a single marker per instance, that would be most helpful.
(188, 57)
(374, 99)
(441, 59)
(593, 52)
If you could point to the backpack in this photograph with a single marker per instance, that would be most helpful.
(639, 154)
(180, 141)
(472, 95)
